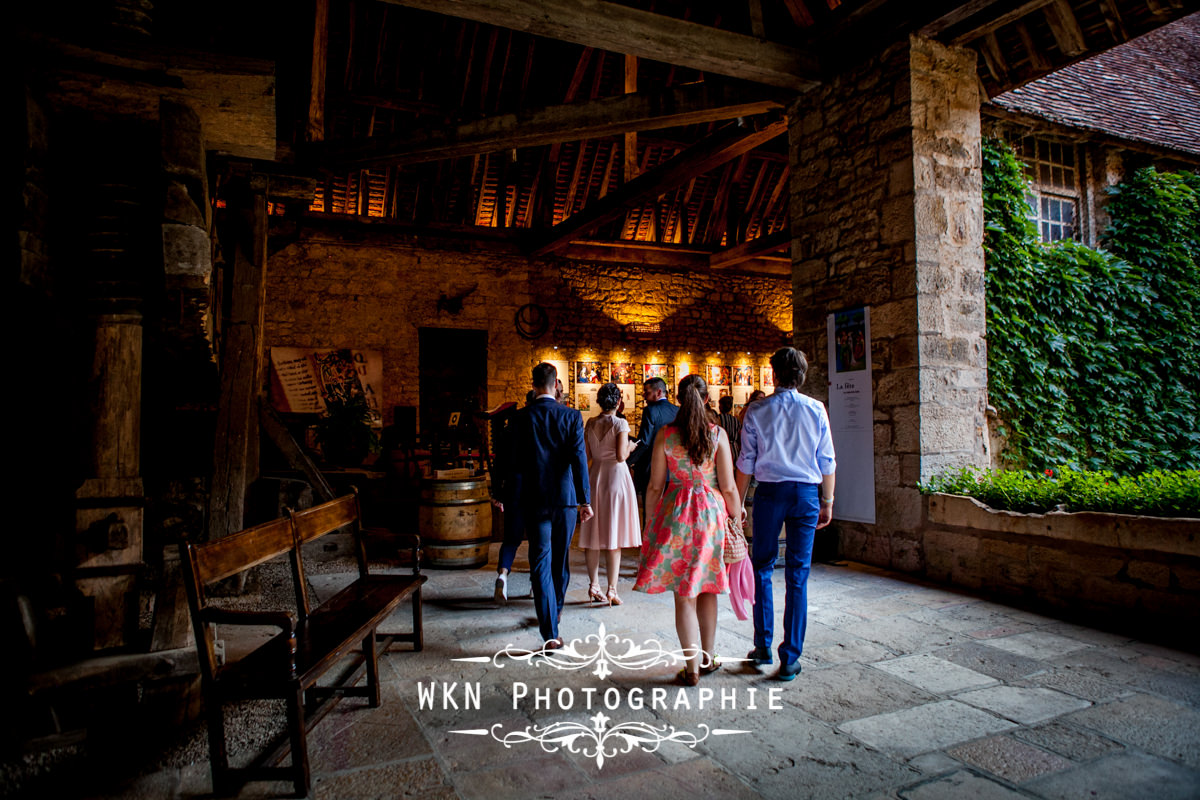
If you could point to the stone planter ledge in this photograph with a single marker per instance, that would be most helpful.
(1172, 535)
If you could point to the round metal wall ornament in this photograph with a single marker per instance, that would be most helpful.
(532, 321)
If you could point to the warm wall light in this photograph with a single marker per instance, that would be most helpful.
(643, 327)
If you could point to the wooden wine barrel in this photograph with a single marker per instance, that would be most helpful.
(455, 522)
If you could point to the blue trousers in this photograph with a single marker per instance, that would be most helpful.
(796, 507)
(550, 532)
(514, 534)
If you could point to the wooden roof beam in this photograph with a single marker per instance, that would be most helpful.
(621, 29)
(610, 116)
(658, 254)
(746, 251)
(707, 154)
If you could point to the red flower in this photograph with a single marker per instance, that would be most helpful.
(679, 566)
(1050, 473)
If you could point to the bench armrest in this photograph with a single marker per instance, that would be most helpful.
(283, 620)
(402, 540)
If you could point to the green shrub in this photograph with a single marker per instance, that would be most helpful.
(1092, 358)
(1157, 493)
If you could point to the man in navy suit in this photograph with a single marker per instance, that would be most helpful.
(659, 411)
(552, 472)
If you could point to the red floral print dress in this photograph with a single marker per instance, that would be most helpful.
(682, 545)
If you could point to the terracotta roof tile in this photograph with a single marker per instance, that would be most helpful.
(1146, 90)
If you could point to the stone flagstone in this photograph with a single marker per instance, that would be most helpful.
(1121, 777)
(935, 726)
(961, 785)
(1037, 644)
(1026, 706)
(1009, 759)
(934, 674)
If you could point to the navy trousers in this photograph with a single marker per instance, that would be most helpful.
(796, 507)
(550, 532)
(514, 534)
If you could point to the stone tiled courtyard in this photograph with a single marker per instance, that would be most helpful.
(908, 691)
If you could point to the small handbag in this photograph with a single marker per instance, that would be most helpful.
(735, 541)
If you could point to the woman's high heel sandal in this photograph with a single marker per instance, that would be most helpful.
(613, 598)
(594, 593)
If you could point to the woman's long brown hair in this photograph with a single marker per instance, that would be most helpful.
(692, 420)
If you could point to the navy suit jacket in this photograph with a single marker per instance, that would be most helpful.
(654, 416)
(550, 460)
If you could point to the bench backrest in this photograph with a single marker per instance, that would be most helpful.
(313, 523)
(211, 562)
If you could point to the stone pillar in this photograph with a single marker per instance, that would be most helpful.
(887, 212)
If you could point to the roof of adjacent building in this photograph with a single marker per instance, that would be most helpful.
(1146, 90)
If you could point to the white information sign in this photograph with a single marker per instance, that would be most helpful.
(851, 413)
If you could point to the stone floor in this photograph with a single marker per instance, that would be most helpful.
(908, 691)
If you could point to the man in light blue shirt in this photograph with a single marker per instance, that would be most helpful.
(787, 446)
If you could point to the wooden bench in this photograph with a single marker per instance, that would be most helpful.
(311, 640)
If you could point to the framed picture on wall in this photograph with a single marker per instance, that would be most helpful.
(621, 373)
(588, 372)
(654, 371)
(717, 375)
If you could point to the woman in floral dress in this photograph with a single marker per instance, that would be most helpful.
(685, 524)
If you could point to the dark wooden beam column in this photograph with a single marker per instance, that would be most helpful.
(316, 89)
(235, 452)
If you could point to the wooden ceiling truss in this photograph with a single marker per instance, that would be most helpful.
(641, 131)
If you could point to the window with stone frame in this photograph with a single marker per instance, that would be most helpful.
(1051, 168)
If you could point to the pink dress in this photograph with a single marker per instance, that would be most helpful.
(614, 500)
(685, 538)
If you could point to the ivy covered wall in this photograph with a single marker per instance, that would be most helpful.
(1093, 358)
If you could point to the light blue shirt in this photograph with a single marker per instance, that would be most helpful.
(785, 437)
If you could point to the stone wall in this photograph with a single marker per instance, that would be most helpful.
(374, 289)
(1138, 570)
(886, 212)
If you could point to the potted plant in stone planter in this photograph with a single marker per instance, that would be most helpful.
(344, 434)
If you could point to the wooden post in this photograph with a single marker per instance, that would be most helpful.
(631, 146)
(235, 454)
(320, 58)
(109, 504)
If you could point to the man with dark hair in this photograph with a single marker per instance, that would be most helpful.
(551, 468)
(731, 424)
(658, 411)
(787, 447)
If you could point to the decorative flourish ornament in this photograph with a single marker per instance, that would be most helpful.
(599, 741)
(577, 654)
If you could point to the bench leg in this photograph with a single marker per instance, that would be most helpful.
(301, 778)
(371, 655)
(418, 630)
(218, 757)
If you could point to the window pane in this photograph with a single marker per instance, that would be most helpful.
(1068, 212)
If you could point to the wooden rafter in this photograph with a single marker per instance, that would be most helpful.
(609, 116)
(668, 255)
(755, 248)
(1067, 33)
(621, 29)
(721, 147)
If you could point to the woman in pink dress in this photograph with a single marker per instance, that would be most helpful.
(685, 524)
(615, 524)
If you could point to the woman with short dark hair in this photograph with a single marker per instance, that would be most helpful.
(684, 539)
(615, 524)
